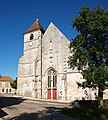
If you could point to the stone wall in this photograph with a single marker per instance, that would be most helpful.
(29, 66)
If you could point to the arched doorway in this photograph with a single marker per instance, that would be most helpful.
(52, 84)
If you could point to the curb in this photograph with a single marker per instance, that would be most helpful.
(43, 100)
(51, 101)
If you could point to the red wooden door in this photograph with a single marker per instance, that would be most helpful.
(49, 93)
(54, 94)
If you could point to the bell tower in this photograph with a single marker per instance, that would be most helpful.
(29, 65)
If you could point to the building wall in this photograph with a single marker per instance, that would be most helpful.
(29, 65)
(54, 50)
(55, 53)
(5, 87)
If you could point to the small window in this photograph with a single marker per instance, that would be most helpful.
(31, 36)
(2, 90)
(10, 90)
(50, 41)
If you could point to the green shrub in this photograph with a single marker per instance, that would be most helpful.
(88, 111)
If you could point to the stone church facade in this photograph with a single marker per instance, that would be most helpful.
(43, 71)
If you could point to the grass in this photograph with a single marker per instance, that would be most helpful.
(88, 111)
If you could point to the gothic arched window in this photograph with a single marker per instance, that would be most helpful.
(52, 78)
(31, 36)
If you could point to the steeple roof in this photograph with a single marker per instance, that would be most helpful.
(35, 26)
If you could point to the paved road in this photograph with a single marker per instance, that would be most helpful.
(24, 109)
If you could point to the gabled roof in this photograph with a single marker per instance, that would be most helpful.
(35, 26)
(6, 78)
(52, 30)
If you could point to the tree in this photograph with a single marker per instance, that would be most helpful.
(89, 49)
(14, 84)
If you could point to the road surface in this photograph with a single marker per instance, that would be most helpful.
(12, 108)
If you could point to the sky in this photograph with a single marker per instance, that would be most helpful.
(16, 16)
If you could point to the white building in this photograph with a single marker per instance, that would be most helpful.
(5, 85)
(43, 71)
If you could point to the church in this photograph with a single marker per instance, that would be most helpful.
(43, 71)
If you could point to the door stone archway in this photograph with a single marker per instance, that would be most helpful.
(52, 84)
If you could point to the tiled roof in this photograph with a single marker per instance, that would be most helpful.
(35, 26)
(6, 78)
